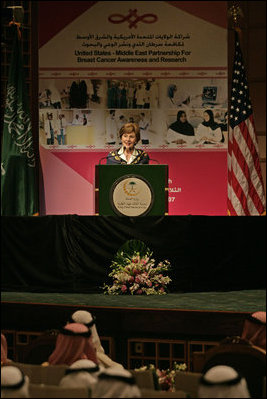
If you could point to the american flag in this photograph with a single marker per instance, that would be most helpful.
(245, 184)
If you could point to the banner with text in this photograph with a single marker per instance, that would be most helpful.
(157, 63)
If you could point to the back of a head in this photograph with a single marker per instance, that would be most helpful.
(94, 344)
(82, 317)
(71, 344)
(3, 349)
(82, 373)
(222, 382)
(14, 384)
(116, 382)
(254, 329)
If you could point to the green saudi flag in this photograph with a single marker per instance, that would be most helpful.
(19, 194)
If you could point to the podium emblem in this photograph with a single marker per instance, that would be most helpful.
(131, 195)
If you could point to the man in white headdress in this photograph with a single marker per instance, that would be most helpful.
(116, 383)
(82, 373)
(84, 317)
(222, 382)
(14, 384)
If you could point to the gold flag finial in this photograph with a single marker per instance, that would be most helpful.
(236, 13)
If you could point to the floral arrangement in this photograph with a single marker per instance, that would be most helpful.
(135, 272)
(165, 379)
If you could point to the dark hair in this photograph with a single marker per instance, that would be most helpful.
(129, 128)
(179, 114)
(210, 113)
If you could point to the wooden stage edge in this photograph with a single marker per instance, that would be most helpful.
(126, 321)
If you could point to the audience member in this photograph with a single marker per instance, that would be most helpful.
(254, 329)
(4, 359)
(84, 317)
(82, 373)
(14, 384)
(72, 344)
(222, 382)
(115, 382)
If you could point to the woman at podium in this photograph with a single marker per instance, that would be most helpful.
(128, 154)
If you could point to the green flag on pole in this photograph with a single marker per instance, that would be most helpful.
(19, 194)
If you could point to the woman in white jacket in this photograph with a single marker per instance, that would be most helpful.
(209, 132)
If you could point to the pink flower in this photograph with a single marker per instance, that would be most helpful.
(161, 289)
(137, 279)
(139, 291)
(131, 279)
(149, 284)
(124, 288)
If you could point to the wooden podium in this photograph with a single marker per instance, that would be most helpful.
(131, 190)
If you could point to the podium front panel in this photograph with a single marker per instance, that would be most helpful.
(131, 190)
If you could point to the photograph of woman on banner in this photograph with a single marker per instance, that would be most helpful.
(181, 131)
(78, 94)
(209, 131)
(128, 154)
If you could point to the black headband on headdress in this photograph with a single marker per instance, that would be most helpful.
(64, 331)
(91, 323)
(18, 385)
(87, 369)
(234, 381)
(127, 380)
(255, 320)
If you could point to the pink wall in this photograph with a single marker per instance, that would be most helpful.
(198, 181)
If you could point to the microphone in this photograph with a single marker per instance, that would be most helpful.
(151, 159)
(101, 159)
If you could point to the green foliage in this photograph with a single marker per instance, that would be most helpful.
(129, 249)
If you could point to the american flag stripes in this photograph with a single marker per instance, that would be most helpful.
(246, 195)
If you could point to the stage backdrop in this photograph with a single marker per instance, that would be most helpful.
(102, 64)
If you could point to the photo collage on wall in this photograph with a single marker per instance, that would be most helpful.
(171, 113)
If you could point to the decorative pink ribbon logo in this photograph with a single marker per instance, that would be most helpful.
(132, 18)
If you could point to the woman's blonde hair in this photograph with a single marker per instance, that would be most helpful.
(129, 128)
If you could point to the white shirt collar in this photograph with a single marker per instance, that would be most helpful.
(132, 157)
